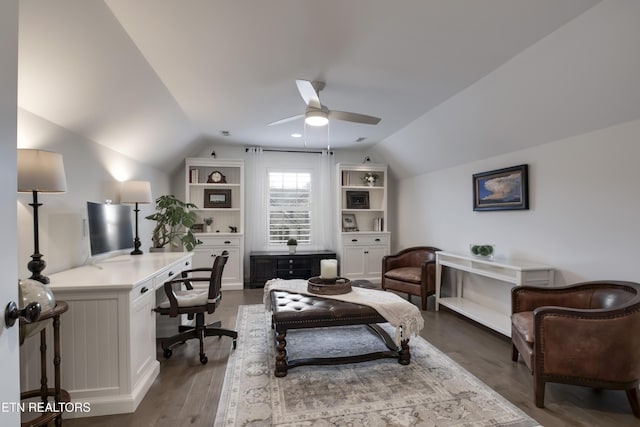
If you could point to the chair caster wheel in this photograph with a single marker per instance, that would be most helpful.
(203, 360)
(167, 353)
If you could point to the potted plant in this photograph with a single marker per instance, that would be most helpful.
(370, 178)
(292, 243)
(173, 224)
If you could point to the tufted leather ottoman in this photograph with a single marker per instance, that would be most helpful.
(297, 311)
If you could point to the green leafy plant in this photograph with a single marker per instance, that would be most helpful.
(292, 242)
(173, 223)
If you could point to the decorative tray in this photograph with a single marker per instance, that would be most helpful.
(337, 286)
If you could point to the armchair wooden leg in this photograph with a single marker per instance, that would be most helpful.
(538, 385)
(634, 400)
(514, 353)
(423, 300)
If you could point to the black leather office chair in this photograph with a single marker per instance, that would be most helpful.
(195, 302)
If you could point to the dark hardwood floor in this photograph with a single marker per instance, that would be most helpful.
(186, 393)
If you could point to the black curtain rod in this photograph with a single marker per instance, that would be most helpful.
(276, 150)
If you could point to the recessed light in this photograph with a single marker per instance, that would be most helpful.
(296, 135)
(360, 139)
(225, 132)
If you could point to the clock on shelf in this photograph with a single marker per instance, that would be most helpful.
(216, 177)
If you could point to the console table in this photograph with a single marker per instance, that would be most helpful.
(283, 265)
(109, 335)
(505, 273)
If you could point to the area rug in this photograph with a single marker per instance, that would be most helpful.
(432, 391)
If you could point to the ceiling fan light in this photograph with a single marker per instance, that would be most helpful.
(316, 118)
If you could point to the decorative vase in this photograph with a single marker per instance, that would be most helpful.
(34, 291)
(207, 228)
(292, 249)
(371, 183)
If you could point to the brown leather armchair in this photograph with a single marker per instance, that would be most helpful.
(412, 271)
(584, 334)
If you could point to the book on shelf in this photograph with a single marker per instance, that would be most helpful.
(193, 176)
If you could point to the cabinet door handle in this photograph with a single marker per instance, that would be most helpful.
(366, 252)
(290, 261)
(227, 242)
(187, 263)
(354, 240)
(170, 273)
(377, 240)
(144, 290)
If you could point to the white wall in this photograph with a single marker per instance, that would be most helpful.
(583, 216)
(93, 174)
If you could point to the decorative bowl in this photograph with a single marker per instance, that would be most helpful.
(482, 250)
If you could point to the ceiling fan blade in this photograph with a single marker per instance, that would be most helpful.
(308, 93)
(285, 120)
(353, 117)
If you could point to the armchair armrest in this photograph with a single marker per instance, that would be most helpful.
(572, 341)
(185, 273)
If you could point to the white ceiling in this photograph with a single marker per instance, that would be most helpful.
(153, 79)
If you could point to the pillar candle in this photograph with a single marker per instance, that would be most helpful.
(328, 268)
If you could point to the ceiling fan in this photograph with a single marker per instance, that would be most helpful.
(317, 114)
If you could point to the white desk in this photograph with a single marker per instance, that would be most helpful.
(108, 336)
(507, 272)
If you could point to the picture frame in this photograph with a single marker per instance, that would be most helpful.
(501, 189)
(349, 222)
(357, 200)
(217, 198)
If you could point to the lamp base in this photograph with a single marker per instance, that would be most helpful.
(35, 266)
(136, 247)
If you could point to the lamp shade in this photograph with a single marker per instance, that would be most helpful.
(41, 171)
(136, 192)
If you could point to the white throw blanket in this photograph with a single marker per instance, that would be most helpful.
(401, 314)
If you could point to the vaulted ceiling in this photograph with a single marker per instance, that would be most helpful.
(154, 79)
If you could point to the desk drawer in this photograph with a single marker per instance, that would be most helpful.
(142, 290)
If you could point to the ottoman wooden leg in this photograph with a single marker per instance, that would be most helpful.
(404, 356)
(281, 354)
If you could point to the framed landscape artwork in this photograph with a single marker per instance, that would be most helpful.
(501, 189)
(215, 198)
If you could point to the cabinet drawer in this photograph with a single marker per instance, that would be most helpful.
(300, 273)
(219, 241)
(289, 263)
(366, 240)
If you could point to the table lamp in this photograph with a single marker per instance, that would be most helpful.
(39, 171)
(136, 192)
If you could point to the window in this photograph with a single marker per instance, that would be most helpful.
(289, 206)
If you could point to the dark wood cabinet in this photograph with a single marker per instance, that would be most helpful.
(283, 265)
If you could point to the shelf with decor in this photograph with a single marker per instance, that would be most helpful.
(362, 215)
(216, 187)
